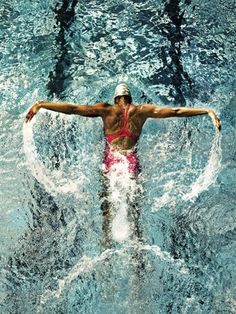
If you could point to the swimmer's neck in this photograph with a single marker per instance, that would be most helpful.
(123, 103)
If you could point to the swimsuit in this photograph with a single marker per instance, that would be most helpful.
(113, 157)
(124, 132)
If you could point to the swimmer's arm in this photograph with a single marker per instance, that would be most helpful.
(151, 111)
(96, 110)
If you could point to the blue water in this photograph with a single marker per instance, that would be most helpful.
(171, 53)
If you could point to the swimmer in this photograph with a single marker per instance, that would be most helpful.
(123, 123)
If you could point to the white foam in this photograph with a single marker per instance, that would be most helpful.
(120, 226)
(121, 193)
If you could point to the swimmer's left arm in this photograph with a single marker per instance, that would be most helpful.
(151, 111)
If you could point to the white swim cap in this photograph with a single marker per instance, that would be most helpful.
(122, 90)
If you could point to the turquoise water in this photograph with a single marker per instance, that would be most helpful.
(170, 53)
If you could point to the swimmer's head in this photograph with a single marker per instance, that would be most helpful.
(122, 90)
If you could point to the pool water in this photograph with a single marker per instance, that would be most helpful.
(172, 237)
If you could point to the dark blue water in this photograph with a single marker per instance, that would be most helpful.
(171, 53)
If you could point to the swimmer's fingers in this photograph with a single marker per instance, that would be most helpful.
(216, 121)
(32, 112)
(29, 116)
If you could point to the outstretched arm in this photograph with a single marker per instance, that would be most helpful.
(151, 111)
(96, 110)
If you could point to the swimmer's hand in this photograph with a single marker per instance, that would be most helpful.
(215, 119)
(32, 112)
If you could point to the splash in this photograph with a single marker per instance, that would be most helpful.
(53, 181)
(122, 191)
(173, 188)
(209, 174)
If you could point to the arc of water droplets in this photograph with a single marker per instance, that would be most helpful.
(210, 172)
(206, 178)
(41, 173)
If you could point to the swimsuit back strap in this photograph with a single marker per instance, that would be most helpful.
(124, 132)
(125, 117)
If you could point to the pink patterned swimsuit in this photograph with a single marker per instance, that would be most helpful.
(111, 158)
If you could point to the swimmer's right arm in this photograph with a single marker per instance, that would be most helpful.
(96, 110)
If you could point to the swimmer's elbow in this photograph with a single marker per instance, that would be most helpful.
(177, 112)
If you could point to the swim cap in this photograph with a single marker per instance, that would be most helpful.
(122, 90)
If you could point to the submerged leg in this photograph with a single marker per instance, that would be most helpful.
(106, 241)
(137, 255)
(135, 212)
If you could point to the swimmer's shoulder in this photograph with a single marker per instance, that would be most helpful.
(103, 105)
(105, 108)
(144, 110)
(139, 107)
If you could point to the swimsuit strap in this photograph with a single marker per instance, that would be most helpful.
(124, 132)
(125, 115)
(124, 119)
